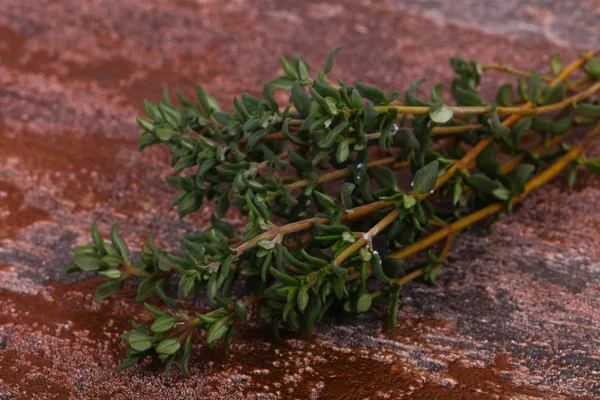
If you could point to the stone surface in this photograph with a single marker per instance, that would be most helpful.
(514, 316)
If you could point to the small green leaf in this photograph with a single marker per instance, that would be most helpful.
(302, 298)
(409, 96)
(588, 110)
(312, 312)
(145, 124)
(496, 127)
(501, 193)
(266, 244)
(282, 82)
(97, 239)
(300, 163)
(486, 160)
(168, 361)
(111, 274)
(186, 285)
(300, 100)
(522, 88)
(88, 263)
(504, 97)
(376, 95)
(356, 101)
(139, 341)
(284, 277)
(168, 346)
(331, 106)
(592, 67)
(405, 138)
(189, 203)
(241, 310)
(106, 289)
(204, 100)
(482, 183)
(118, 242)
(223, 118)
(163, 323)
(384, 176)
(303, 70)
(378, 269)
(147, 286)
(456, 191)
(436, 93)
(326, 201)
(212, 287)
(562, 125)
(160, 291)
(155, 311)
(288, 68)
(164, 264)
(348, 237)
(217, 330)
(520, 175)
(343, 151)
(184, 362)
(128, 363)
(333, 134)
(112, 260)
(346, 194)
(518, 129)
(441, 114)
(86, 251)
(365, 254)
(426, 178)
(555, 94)
(323, 90)
(165, 134)
(467, 98)
(408, 202)
(330, 56)
(269, 98)
(364, 303)
(339, 271)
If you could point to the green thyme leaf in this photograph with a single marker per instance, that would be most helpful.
(441, 113)
(106, 289)
(588, 110)
(89, 263)
(376, 95)
(426, 178)
(217, 330)
(330, 56)
(504, 97)
(139, 341)
(168, 346)
(364, 303)
(163, 323)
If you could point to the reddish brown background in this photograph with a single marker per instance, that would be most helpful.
(515, 314)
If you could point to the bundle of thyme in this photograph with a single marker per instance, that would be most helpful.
(311, 246)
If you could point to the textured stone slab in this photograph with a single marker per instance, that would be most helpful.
(515, 315)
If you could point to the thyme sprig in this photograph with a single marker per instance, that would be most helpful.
(310, 247)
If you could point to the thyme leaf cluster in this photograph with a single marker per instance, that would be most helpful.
(329, 220)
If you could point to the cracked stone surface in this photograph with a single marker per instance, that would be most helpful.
(515, 313)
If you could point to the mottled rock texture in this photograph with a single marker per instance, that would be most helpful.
(514, 316)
